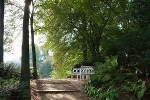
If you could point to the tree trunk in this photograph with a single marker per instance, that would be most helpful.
(35, 75)
(1, 29)
(85, 53)
(25, 69)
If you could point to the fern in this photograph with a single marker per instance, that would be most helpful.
(108, 81)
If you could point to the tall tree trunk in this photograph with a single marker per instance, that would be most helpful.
(1, 29)
(25, 69)
(35, 75)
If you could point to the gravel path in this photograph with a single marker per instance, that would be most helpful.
(58, 89)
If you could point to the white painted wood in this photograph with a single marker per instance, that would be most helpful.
(83, 73)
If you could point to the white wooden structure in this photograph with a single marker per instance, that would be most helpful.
(83, 73)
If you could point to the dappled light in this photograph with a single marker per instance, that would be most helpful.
(58, 89)
(75, 49)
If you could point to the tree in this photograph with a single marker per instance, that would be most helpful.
(13, 14)
(25, 69)
(75, 29)
(81, 29)
(46, 68)
(35, 75)
(140, 12)
(43, 60)
(1, 29)
(25, 44)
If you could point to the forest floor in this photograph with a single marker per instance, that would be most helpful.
(58, 89)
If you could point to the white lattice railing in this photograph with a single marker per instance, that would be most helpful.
(83, 73)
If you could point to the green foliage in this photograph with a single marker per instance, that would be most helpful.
(141, 10)
(9, 71)
(102, 87)
(24, 90)
(141, 93)
(60, 73)
(138, 88)
(64, 61)
(13, 27)
(46, 69)
(81, 31)
(10, 86)
(74, 30)
(9, 89)
(109, 81)
(44, 62)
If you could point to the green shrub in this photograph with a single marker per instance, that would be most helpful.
(9, 89)
(10, 86)
(109, 81)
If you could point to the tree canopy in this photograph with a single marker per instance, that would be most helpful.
(112, 35)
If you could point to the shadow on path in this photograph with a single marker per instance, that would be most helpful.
(58, 89)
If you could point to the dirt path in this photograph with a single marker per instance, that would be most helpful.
(60, 89)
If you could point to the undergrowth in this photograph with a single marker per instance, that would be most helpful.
(111, 82)
(10, 86)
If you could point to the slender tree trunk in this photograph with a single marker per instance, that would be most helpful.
(1, 29)
(25, 69)
(85, 54)
(97, 45)
(35, 75)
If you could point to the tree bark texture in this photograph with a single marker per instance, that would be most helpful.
(1, 29)
(25, 70)
(35, 75)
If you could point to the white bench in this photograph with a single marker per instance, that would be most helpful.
(83, 73)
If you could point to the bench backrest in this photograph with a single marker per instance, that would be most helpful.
(82, 70)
